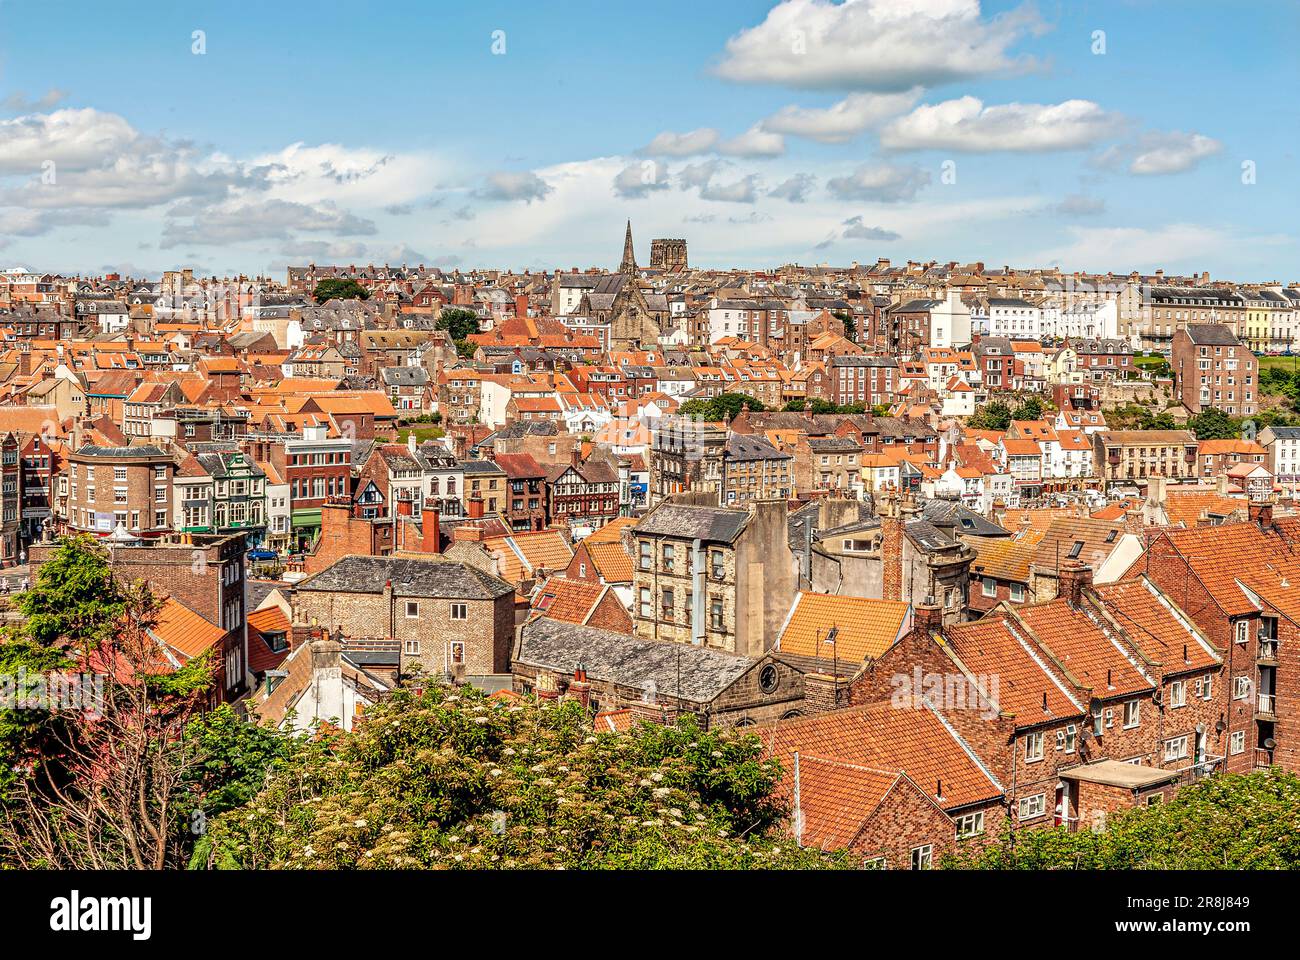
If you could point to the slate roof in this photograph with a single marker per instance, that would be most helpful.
(962, 519)
(411, 577)
(1212, 334)
(695, 674)
(717, 524)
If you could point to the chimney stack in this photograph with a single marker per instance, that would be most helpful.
(431, 541)
(1073, 579)
(1261, 512)
(927, 617)
(579, 688)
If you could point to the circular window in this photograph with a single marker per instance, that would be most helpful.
(767, 679)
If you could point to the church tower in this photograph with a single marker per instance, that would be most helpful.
(628, 266)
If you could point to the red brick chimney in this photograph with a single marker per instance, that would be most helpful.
(891, 556)
(431, 542)
(1073, 579)
(1261, 512)
(927, 617)
(579, 688)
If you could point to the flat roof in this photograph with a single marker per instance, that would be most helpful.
(1117, 773)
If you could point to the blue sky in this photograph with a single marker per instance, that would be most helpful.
(763, 132)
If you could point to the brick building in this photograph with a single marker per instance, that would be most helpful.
(1212, 368)
(449, 618)
(129, 487)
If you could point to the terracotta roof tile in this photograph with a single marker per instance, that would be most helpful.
(865, 628)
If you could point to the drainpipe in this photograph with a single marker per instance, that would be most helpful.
(699, 584)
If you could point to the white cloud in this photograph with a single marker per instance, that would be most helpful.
(1078, 205)
(1172, 152)
(876, 44)
(357, 177)
(526, 186)
(881, 182)
(794, 188)
(1121, 249)
(842, 121)
(641, 178)
(855, 229)
(744, 190)
(670, 144)
(17, 102)
(72, 139)
(194, 223)
(966, 124)
(20, 222)
(754, 142)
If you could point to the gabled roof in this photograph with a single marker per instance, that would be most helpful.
(919, 743)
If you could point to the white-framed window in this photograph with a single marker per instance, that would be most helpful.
(875, 863)
(1067, 739)
(922, 857)
(1033, 746)
(1132, 713)
(411, 648)
(643, 602)
(1017, 593)
(1031, 807)
(1237, 742)
(459, 611)
(645, 554)
(970, 825)
(1178, 693)
(1243, 630)
(1241, 688)
(412, 609)
(990, 587)
(1205, 687)
(457, 651)
(1176, 748)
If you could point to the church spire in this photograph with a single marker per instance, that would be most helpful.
(628, 266)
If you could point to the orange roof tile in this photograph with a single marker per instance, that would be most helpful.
(865, 628)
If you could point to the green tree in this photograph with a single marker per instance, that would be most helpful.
(110, 792)
(452, 778)
(723, 406)
(71, 610)
(1224, 822)
(1214, 424)
(994, 415)
(337, 288)
(459, 323)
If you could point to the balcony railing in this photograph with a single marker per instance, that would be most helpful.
(1263, 758)
(1267, 652)
(1267, 703)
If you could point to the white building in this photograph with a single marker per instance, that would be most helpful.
(1017, 319)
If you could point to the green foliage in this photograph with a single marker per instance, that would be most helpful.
(75, 600)
(1135, 416)
(1214, 424)
(336, 288)
(824, 406)
(232, 760)
(1225, 822)
(725, 406)
(453, 779)
(459, 323)
(73, 606)
(997, 415)
(850, 324)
